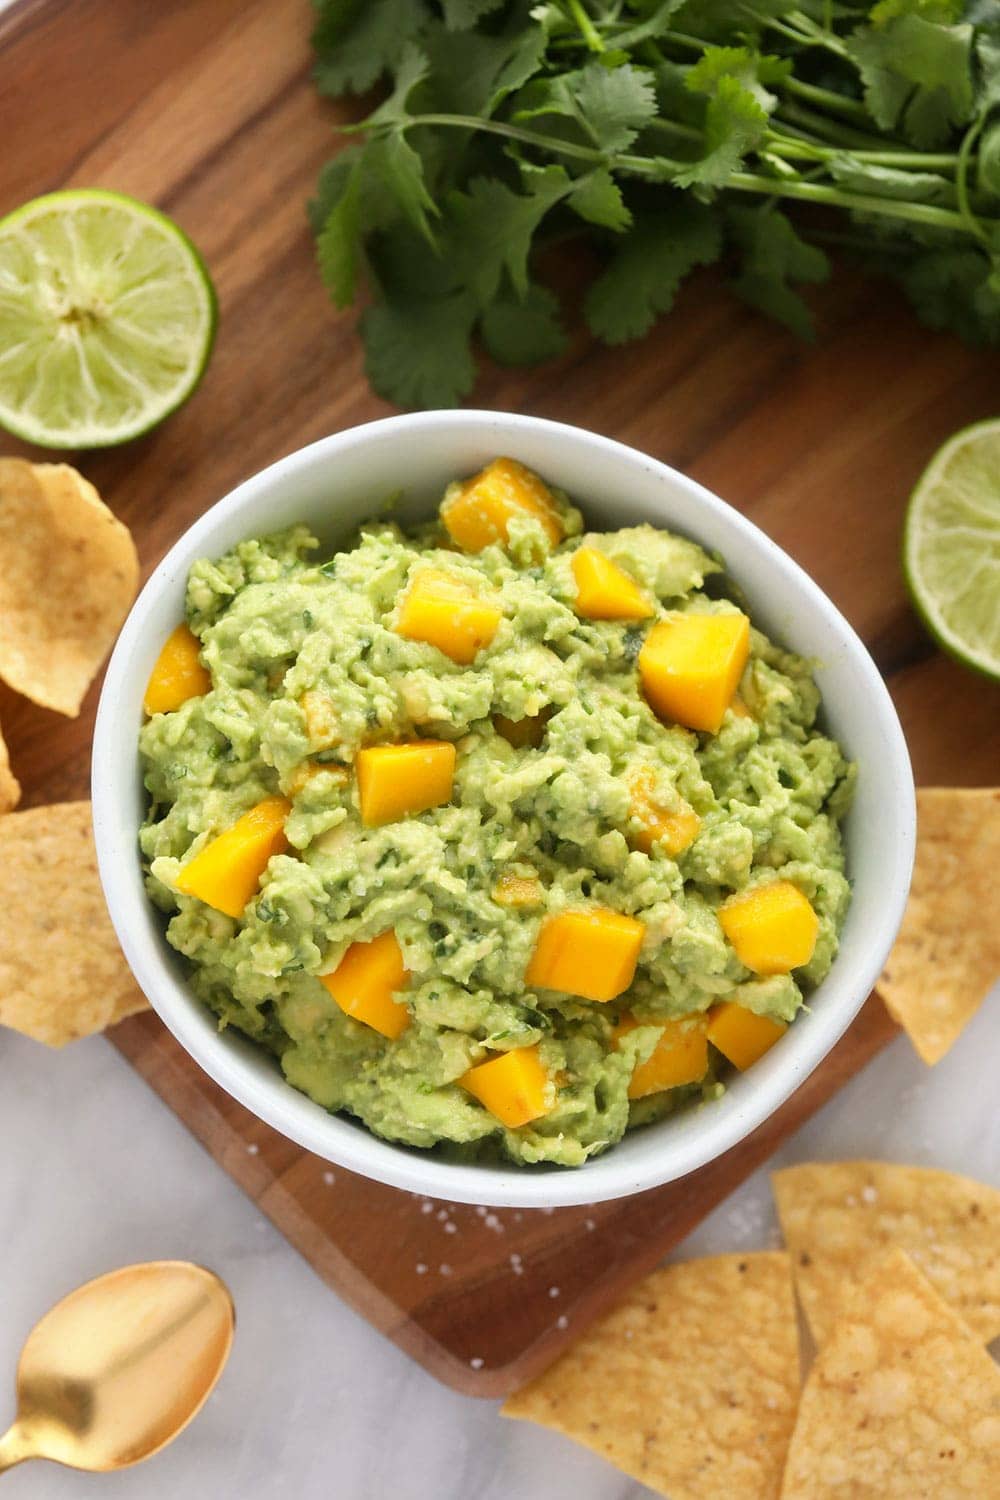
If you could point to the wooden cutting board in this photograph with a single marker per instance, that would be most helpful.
(205, 107)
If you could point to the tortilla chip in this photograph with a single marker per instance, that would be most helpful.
(68, 573)
(902, 1402)
(690, 1385)
(839, 1217)
(62, 974)
(10, 791)
(947, 954)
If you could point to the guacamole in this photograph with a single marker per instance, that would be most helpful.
(501, 836)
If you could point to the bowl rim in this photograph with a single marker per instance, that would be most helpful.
(229, 1059)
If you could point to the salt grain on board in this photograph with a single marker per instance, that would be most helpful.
(421, 1269)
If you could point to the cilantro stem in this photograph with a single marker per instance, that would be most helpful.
(587, 28)
(744, 182)
(920, 161)
(891, 208)
(962, 179)
(826, 98)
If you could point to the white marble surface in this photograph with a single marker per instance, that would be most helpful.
(314, 1404)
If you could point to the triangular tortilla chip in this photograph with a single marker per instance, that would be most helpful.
(10, 792)
(68, 573)
(902, 1402)
(947, 955)
(62, 974)
(690, 1385)
(839, 1217)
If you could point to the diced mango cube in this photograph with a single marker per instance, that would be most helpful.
(517, 890)
(523, 734)
(679, 1057)
(741, 1035)
(673, 828)
(226, 873)
(309, 770)
(443, 611)
(478, 512)
(178, 674)
(514, 1087)
(394, 780)
(604, 591)
(365, 981)
(772, 927)
(588, 953)
(320, 715)
(690, 666)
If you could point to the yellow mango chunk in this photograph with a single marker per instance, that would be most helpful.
(773, 928)
(479, 512)
(680, 1056)
(742, 1035)
(394, 780)
(690, 665)
(441, 610)
(514, 1086)
(523, 734)
(309, 770)
(674, 829)
(604, 591)
(178, 674)
(226, 873)
(365, 980)
(517, 890)
(588, 953)
(321, 719)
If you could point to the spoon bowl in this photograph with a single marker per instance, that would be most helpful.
(119, 1367)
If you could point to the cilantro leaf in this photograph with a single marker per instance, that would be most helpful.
(752, 70)
(954, 289)
(357, 41)
(774, 257)
(613, 105)
(642, 278)
(523, 330)
(734, 124)
(917, 74)
(890, 182)
(597, 198)
(724, 19)
(338, 243)
(471, 72)
(490, 229)
(459, 15)
(392, 159)
(418, 351)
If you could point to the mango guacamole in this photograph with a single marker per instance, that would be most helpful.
(501, 836)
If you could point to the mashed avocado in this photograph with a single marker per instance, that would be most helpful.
(567, 793)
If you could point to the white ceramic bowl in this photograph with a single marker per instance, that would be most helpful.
(335, 484)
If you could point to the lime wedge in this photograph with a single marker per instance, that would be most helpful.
(107, 316)
(951, 547)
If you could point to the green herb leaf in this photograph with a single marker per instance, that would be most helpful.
(613, 106)
(598, 199)
(523, 330)
(357, 41)
(750, 69)
(461, 14)
(642, 278)
(774, 257)
(491, 227)
(916, 73)
(418, 353)
(734, 124)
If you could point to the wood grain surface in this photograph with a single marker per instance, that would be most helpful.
(205, 107)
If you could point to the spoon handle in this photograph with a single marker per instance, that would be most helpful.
(15, 1447)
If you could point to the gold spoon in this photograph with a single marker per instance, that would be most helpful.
(120, 1366)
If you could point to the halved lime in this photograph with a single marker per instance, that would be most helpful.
(951, 547)
(107, 317)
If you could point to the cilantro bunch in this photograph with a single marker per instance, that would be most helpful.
(670, 134)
